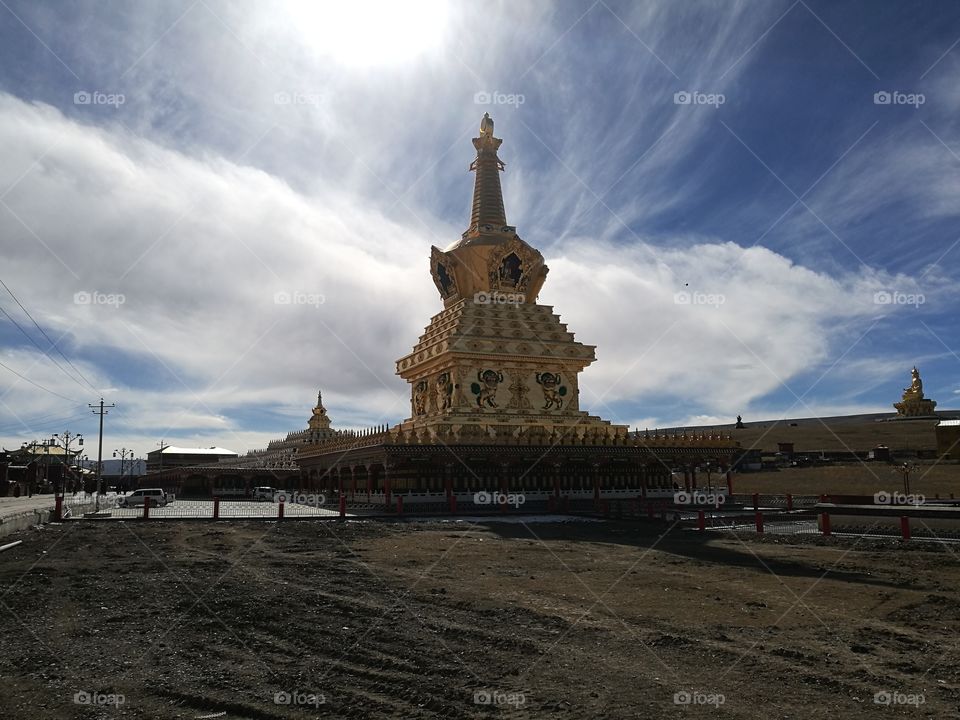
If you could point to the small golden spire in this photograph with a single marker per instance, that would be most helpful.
(487, 195)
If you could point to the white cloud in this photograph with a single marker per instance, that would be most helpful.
(198, 248)
(764, 320)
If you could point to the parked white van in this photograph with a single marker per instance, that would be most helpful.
(158, 498)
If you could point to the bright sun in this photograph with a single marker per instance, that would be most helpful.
(369, 32)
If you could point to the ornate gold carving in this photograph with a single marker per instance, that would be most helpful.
(443, 389)
(420, 398)
(486, 388)
(518, 392)
(553, 391)
(443, 270)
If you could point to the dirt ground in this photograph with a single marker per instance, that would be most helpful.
(421, 620)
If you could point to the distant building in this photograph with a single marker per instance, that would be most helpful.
(195, 472)
(174, 457)
(948, 439)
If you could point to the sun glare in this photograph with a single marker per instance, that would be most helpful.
(365, 33)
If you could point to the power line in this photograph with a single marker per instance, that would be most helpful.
(24, 377)
(34, 424)
(37, 345)
(51, 415)
(42, 332)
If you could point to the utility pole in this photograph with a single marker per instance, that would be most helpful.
(101, 412)
(162, 448)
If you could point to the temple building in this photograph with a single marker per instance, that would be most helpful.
(494, 386)
(913, 403)
(282, 453)
(206, 472)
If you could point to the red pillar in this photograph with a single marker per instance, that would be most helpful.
(58, 511)
(905, 527)
(216, 507)
(701, 520)
(280, 509)
(789, 501)
(399, 505)
(759, 521)
(825, 523)
(386, 487)
(729, 483)
(343, 506)
(756, 501)
(146, 508)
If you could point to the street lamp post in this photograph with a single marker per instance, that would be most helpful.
(67, 437)
(905, 469)
(124, 453)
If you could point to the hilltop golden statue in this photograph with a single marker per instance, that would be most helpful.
(914, 404)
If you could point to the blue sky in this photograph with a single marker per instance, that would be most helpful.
(320, 150)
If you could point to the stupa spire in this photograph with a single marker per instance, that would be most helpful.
(487, 196)
(319, 419)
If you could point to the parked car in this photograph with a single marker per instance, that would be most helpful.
(264, 493)
(158, 498)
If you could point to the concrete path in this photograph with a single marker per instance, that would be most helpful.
(15, 506)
